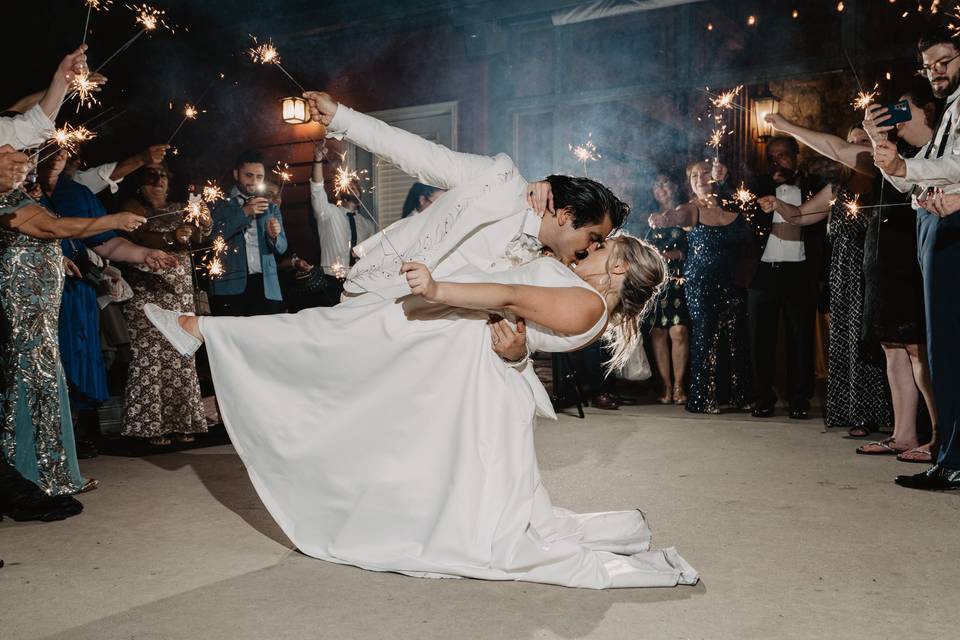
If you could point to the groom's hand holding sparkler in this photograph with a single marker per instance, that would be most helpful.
(322, 106)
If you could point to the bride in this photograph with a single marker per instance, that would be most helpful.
(386, 434)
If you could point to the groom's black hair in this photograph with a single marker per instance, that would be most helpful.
(589, 200)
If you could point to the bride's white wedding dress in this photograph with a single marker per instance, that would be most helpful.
(387, 434)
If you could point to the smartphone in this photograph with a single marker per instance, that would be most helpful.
(896, 113)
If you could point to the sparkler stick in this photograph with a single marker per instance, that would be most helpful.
(282, 171)
(94, 4)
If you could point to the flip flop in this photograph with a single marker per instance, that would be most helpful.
(859, 432)
(915, 455)
(884, 450)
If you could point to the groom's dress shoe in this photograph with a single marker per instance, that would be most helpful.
(936, 478)
(762, 411)
(168, 324)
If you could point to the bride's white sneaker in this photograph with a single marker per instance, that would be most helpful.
(168, 324)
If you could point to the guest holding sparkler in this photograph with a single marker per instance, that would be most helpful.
(32, 123)
(252, 228)
(13, 168)
(163, 399)
(857, 393)
(719, 359)
(35, 426)
(109, 174)
(341, 226)
(79, 329)
(933, 172)
(781, 268)
(668, 318)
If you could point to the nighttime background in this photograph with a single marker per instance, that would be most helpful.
(524, 82)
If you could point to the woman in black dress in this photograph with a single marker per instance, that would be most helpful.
(668, 318)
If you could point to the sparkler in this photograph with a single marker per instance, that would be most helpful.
(282, 171)
(190, 112)
(584, 153)
(266, 53)
(195, 211)
(716, 137)
(726, 100)
(865, 98)
(743, 196)
(212, 192)
(84, 88)
(70, 138)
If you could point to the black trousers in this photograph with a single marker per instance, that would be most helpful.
(786, 287)
(251, 302)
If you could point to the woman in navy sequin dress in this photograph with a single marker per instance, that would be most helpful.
(719, 360)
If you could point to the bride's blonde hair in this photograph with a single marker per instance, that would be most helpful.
(644, 276)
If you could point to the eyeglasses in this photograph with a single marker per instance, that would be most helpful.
(937, 67)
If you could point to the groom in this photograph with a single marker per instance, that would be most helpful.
(483, 221)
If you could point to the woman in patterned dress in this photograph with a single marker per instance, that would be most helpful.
(36, 432)
(163, 392)
(668, 318)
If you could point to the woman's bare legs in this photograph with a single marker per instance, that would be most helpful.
(680, 350)
(904, 394)
(661, 356)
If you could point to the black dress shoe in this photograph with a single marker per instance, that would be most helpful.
(762, 411)
(798, 413)
(604, 401)
(936, 478)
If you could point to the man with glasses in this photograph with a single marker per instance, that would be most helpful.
(935, 170)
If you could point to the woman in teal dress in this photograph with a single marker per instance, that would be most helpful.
(35, 427)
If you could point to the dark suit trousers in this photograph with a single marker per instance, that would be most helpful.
(938, 246)
(251, 302)
(786, 287)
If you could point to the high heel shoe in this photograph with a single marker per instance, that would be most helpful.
(679, 396)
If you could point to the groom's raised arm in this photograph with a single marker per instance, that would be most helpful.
(431, 163)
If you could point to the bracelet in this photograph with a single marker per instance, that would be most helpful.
(168, 238)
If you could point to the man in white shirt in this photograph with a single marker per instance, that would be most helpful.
(340, 228)
(936, 166)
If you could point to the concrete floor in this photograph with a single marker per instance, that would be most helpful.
(793, 534)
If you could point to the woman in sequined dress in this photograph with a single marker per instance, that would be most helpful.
(719, 360)
(163, 392)
(36, 434)
(668, 318)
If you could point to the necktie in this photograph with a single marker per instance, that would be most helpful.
(352, 219)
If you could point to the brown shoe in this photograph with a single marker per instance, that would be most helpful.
(604, 401)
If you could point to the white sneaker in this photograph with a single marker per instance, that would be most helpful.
(167, 323)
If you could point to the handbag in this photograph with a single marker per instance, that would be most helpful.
(637, 367)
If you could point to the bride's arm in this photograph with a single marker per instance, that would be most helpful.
(569, 310)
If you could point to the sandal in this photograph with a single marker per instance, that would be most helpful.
(916, 454)
(160, 441)
(89, 484)
(859, 432)
(881, 448)
(679, 396)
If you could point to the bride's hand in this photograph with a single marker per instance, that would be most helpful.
(421, 282)
(540, 197)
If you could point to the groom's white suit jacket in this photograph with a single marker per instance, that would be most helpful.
(468, 228)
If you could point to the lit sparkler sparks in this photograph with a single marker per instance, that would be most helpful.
(716, 137)
(743, 196)
(190, 112)
(345, 181)
(852, 207)
(196, 211)
(212, 192)
(726, 100)
(149, 18)
(69, 138)
(339, 271)
(586, 152)
(215, 267)
(865, 98)
(84, 87)
(267, 53)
